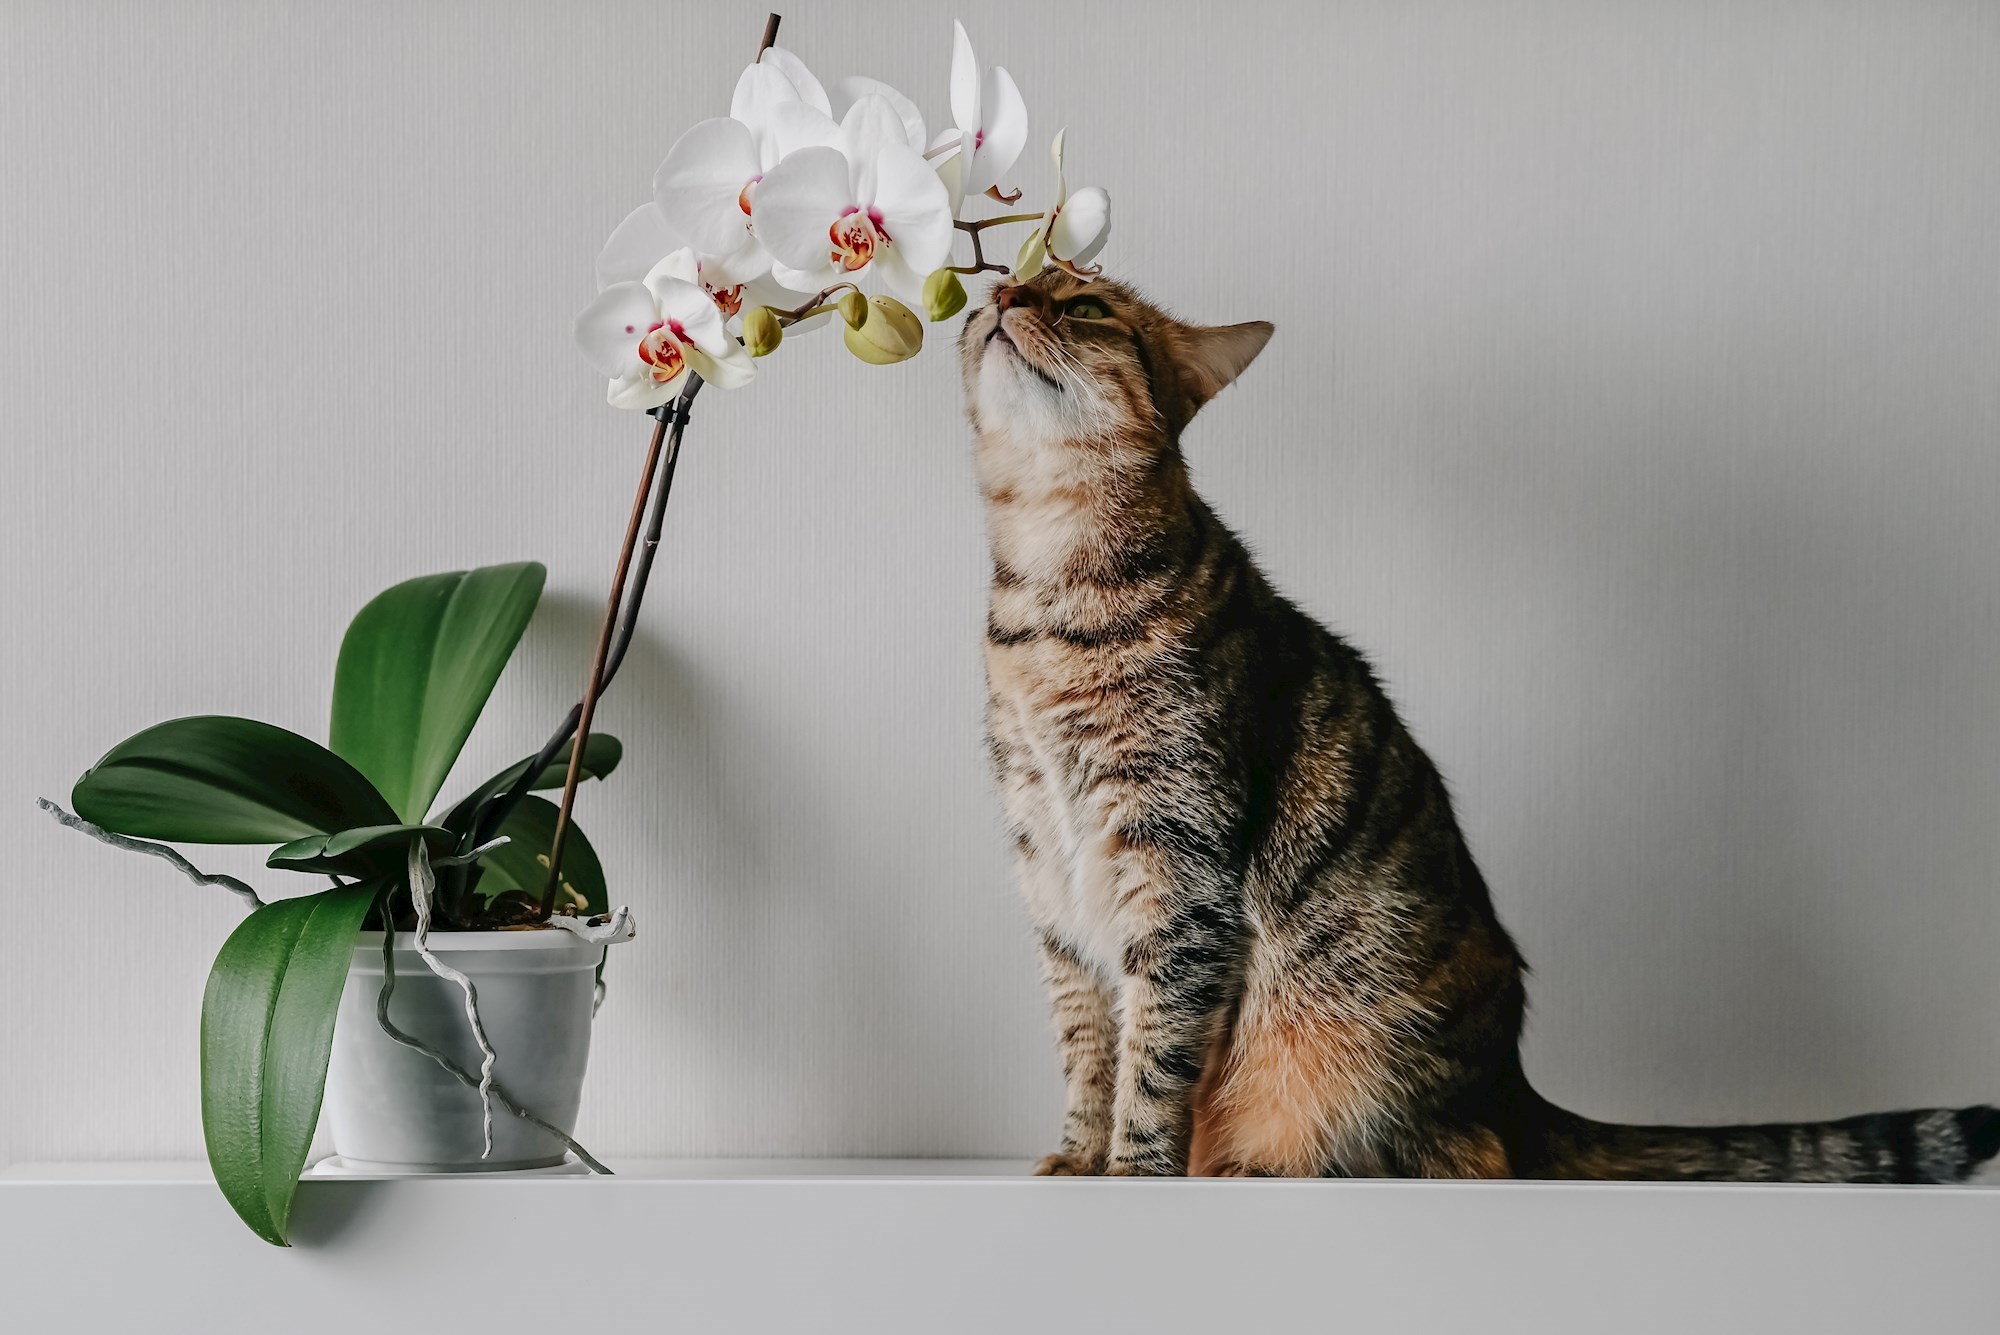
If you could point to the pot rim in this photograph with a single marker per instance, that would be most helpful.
(545, 938)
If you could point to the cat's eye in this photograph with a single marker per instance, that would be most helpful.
(1086, 308)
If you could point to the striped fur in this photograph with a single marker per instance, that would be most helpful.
(1267, 946)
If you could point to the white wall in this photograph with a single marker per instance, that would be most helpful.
(1635, 401)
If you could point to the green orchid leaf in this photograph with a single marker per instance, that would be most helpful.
(219, 780)
(601, 755)
(372, 850)
(523, 863)
(416, 668)
(266, 1033)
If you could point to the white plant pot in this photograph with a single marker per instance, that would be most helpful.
(394, 1110)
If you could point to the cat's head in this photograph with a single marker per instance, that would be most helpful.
(1056, 360)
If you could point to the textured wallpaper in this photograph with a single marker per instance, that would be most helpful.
(1635, 402)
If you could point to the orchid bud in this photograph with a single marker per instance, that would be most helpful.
(892, 334)
(944, 295)
(1078, 229)
(854, 309)
(761, 331)
(1028, 261)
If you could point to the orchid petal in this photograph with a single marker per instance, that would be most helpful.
(797, 201)
(915, 208)
(964, 80)
(1080, 226)
(795, 126)
(760, 89)
(805, 281)
(635, 246)
(807, 87)
(855, 87)
(690, 312)
(1003, 131)
(609, 329)
(767, 88)
(699, 187)
(893, 266)
(642, 392)
(870, 126)
(679, 265)
(730, 368)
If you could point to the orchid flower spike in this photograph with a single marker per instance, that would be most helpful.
(1074, 229)
(646, 336)
(992, 127)
(705, 186)
(868, 202)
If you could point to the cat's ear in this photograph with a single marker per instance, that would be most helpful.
(1212, 356)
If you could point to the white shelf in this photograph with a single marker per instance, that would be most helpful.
(949, 1246)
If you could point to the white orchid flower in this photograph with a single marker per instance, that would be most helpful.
(868, 203)
(646, 336)
(737, 281)
(1073, 230)
(706, 184)
(992, 126)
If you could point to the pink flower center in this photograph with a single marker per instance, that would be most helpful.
(744, 195)
(856, 236)
(978, 138)
(661, 351)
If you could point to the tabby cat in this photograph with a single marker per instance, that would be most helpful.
(1268, 948)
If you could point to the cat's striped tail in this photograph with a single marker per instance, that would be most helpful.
(1923, 1145)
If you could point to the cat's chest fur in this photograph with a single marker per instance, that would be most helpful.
(1083, 709)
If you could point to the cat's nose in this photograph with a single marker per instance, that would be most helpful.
(1016, 294)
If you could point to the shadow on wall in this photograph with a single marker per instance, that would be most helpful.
(838, 964)
(1740, 947)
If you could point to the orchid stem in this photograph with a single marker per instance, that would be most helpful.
(982, 224)
(980, 264)
(817, 304)
(771, 22)
(615, 633)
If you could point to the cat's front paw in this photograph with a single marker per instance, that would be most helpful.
(1145, 1166)
(1069, 1163)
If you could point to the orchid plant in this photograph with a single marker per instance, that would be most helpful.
(798, 207)
(795, 209)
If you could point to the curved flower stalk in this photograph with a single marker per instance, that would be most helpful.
(770, 219)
